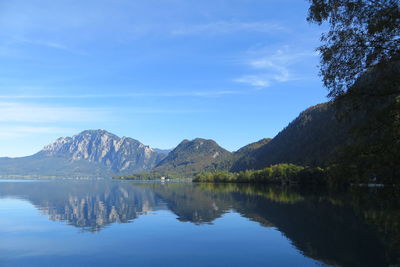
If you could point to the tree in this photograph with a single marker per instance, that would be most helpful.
(362, 34)
(360, 66)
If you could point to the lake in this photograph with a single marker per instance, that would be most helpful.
(123, 223)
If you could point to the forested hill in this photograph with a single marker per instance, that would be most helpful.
(241, 154)
(244, 151)
(312, 139)
(191, 157)
(358, 133)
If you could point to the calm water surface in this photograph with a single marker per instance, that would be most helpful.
(112, 223)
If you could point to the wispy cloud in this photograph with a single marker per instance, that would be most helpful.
(49, 44)
(216, 93)
(223, 27)
(259, 81)
(150, 111)
(17, 131)
(275, 67)
(35, 113)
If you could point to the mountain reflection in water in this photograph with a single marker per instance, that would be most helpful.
(359, 227)
(90, 205)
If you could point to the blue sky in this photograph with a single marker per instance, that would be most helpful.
(159, 71)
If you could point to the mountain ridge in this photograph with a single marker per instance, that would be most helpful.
(310, 139)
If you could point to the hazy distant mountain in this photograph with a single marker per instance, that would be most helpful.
(90, 153)
(191, 157)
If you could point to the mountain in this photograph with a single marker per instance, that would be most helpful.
(99, 146)
(91, 153)
(191, 157)
(357, 135)
(162, 151)
(40, 166)
(312, 139)
(251, 147)
(241, 154)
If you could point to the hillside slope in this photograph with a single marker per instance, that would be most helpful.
(311, 139)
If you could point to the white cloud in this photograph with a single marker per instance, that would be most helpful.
(49, 44)
(216, 93)
(254, 80)
(33, 113)
(223, 27)
(150, 111)
(17, 131)
(275, 67)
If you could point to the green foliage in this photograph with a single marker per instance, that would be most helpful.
(362, 33)
(372, 107)
(275, 174)
(360, 67)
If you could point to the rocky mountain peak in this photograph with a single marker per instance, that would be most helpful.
(120, 154)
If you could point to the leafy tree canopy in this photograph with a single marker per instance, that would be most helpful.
(362, 34)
